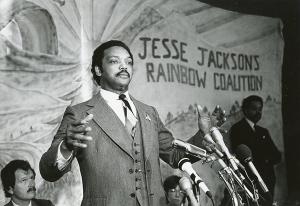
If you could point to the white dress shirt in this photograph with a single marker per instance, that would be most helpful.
(112, 99)
(250, 123)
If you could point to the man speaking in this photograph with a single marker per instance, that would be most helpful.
(116, 139)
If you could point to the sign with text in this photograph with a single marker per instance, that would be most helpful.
(172, 58)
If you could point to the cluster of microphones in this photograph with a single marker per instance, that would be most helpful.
(216, 150)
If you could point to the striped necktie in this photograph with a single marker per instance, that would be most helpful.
(130, 119)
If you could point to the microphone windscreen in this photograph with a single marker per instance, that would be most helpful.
(185, 183)
(243, 153)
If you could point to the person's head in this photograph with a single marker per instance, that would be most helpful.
(18, 180)
(252, 108)
(174, 195)
(112, 66)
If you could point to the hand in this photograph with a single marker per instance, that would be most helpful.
(76, 134)
(206, 121)
(218, 117)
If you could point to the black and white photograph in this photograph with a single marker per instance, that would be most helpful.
(149, 102)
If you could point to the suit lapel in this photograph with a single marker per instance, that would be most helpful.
(106, 118)
(248, 127)
(146, 128)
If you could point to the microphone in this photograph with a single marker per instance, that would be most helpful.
(219, 140)
(186, 185)
(189, 148)
(239, 164)
(186, 166)
(232, 160)
(193, 150)
(239, 180)
(212, 147)
(244, 153)
(220, 154)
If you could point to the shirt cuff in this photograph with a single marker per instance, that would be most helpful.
(61, 161)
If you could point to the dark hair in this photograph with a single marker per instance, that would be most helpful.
(8, 174)
(99, 54)
(252, 98)
(171, 182)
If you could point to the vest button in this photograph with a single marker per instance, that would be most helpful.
(130, 171)
(132, 195)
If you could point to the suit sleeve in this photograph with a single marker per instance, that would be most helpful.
(274, 155)
(48, 166)
(235, 138)
(168, 154)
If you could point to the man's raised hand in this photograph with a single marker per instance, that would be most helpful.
(206, 120)
(218, 117)
(76, 133)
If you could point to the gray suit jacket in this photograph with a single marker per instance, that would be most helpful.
(106, 164)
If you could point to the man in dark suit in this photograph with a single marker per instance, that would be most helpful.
(264, 152)
(18, 179)
(116, 139)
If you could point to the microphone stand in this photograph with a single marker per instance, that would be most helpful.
(229, 177)
(226, 175)
(230, 171)
(197, 192)
(256, 195)
(231, 180)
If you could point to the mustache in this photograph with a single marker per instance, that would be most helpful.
(123, 72)
(31, 189)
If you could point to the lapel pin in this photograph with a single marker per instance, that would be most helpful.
(147, 117)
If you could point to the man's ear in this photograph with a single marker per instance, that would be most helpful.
(10, 190)
(98, 71)
(245, 112)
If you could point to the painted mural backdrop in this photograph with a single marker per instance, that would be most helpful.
(186, 53)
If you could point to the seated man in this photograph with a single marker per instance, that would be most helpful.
(18, 179)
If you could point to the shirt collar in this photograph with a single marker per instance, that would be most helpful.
(110, 96)
(14, 204)
(250, 123)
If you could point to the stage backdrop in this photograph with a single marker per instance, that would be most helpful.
(185, 52)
